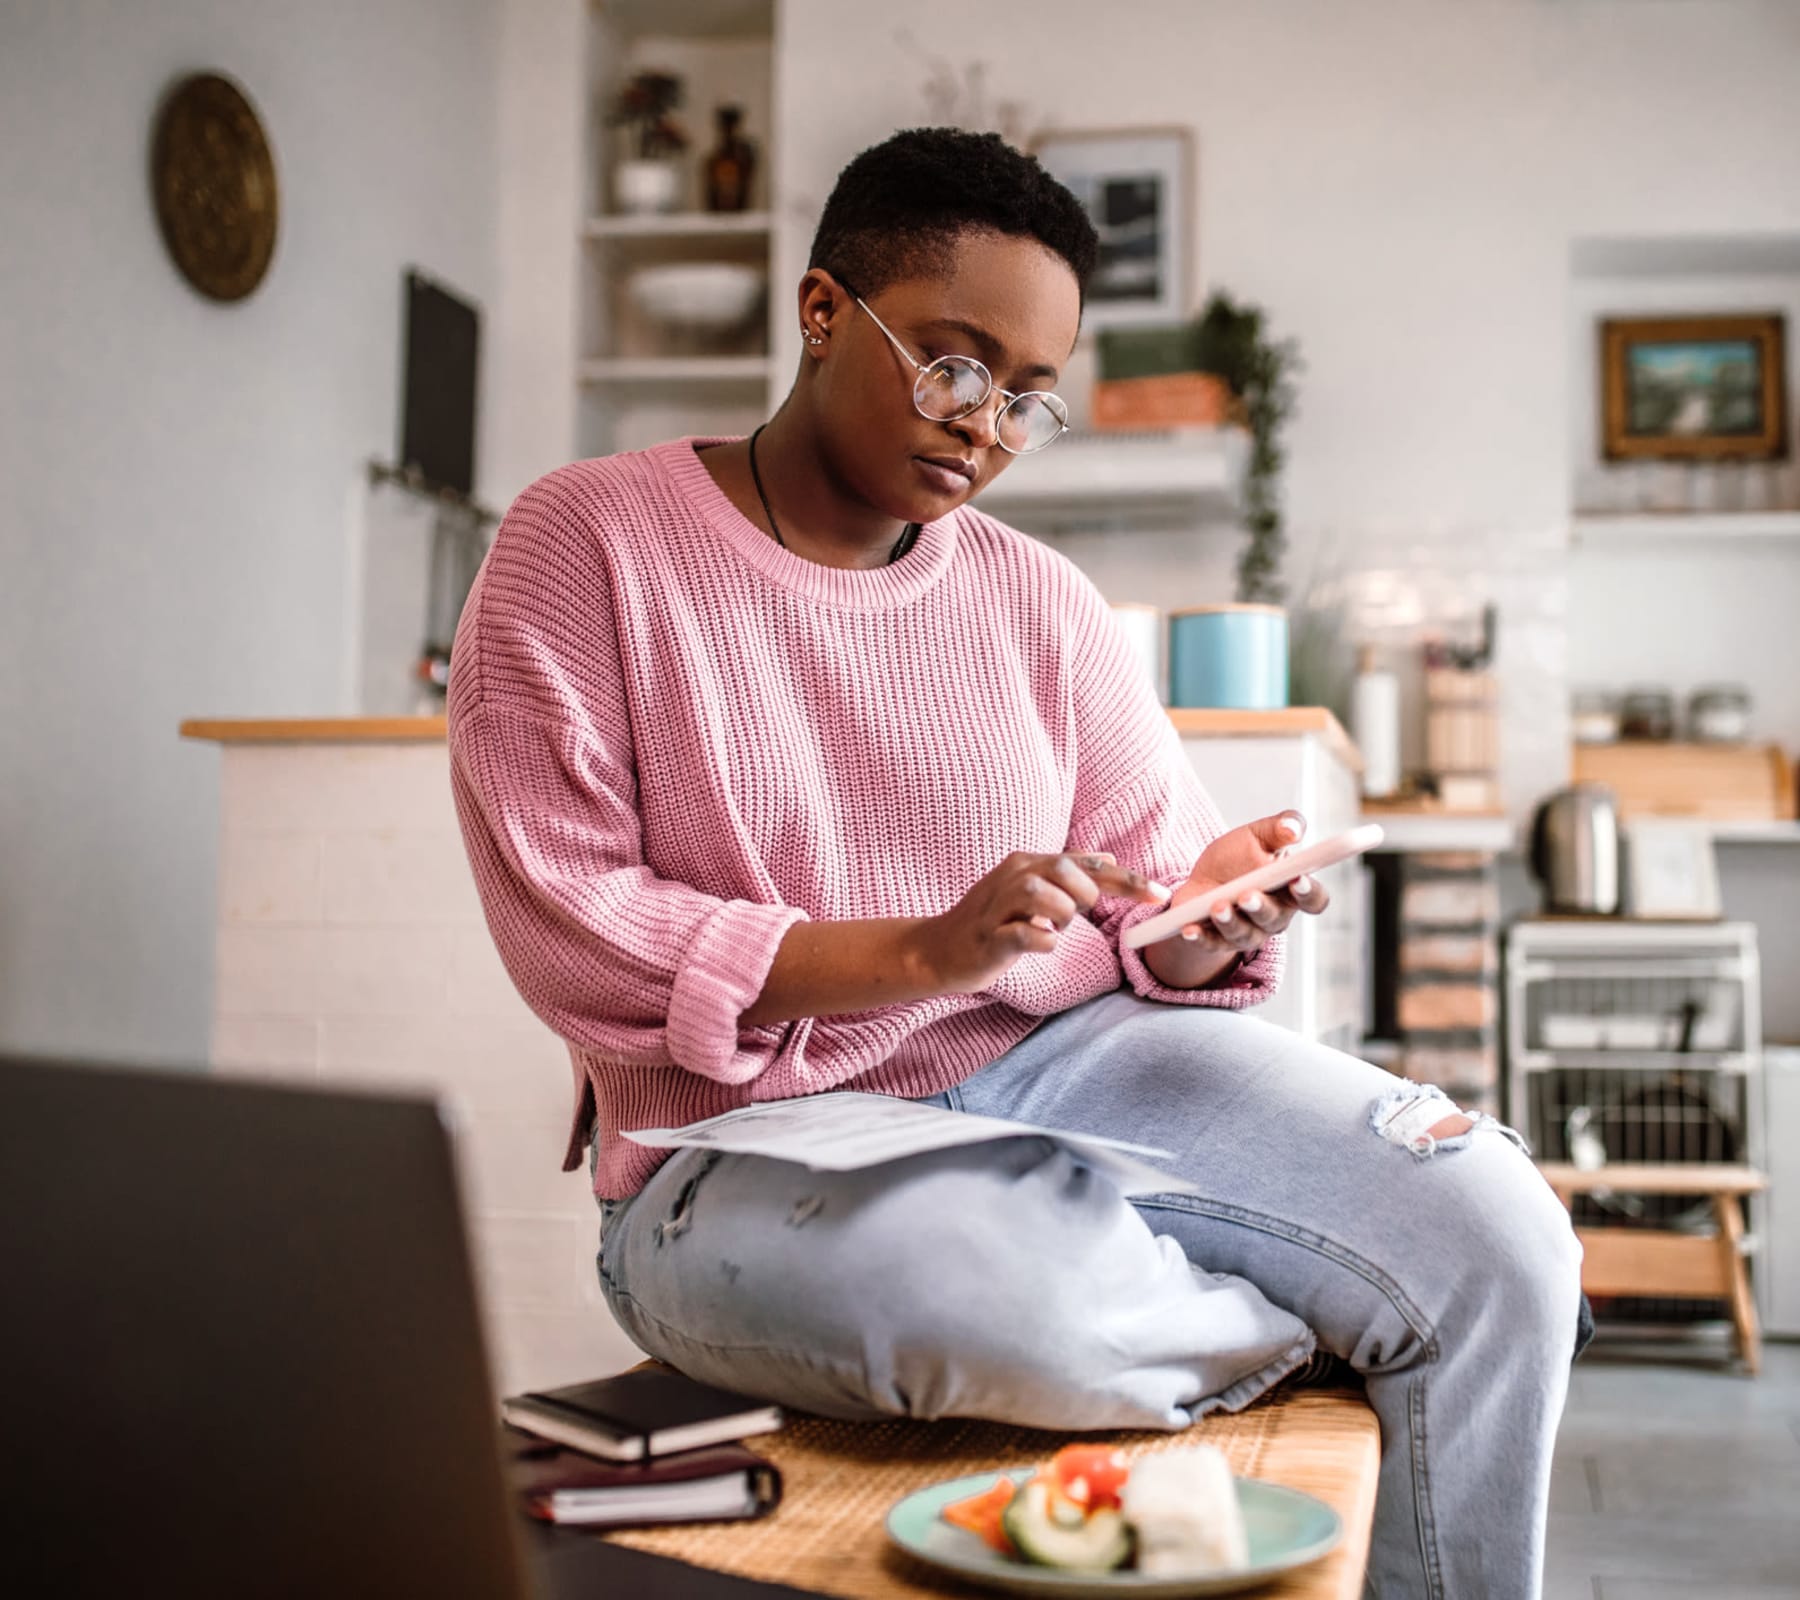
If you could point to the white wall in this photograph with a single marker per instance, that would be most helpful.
(1674, 616)
(176, 477)
(544, 111)
(1399, 184)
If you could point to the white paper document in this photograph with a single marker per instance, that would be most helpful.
(845, 1130)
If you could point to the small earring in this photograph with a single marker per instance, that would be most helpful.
(810, 338)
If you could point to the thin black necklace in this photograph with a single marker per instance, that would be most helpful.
(901, 545)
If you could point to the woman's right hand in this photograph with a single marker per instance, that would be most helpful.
(1018, 909)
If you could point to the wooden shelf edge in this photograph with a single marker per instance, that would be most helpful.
(316, 730)
(1375, 807)
(678, 225)
(1687, 1177)
(1604, 527)
(671, 370)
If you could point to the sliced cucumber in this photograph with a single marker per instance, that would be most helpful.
(1096, 1543)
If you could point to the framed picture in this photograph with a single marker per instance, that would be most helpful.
(1693, 388)
(1137, 187)
(1671, 869)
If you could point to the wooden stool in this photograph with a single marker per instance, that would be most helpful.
(1658, 1261)
(827, 1535)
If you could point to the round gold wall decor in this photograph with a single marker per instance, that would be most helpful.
(213, 177)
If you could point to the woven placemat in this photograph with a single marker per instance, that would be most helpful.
(840, 1478)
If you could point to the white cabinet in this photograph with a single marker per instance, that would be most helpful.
(1778, 1272)
(1255, 764)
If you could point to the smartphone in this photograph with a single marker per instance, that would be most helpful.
(1274, 874)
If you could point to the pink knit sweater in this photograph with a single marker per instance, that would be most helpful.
(672, 739)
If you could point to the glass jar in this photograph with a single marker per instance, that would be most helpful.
(1594, 716)
(1647, 714)
(1719, 713)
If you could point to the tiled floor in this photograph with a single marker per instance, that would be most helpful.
(1675, 1478)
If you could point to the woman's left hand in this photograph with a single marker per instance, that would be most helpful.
(1245, 926)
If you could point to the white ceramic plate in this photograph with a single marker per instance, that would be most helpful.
(1287, 1529)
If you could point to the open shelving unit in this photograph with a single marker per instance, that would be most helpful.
(637, 383)
(1682, 573)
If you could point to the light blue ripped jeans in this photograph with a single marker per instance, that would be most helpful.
(1009, 1281)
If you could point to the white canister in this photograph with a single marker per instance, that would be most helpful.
(1375, 724)
(643, 186)
(1142, 626)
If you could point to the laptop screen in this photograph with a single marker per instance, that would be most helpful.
(241, 1344)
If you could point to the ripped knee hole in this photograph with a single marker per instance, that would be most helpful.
(1423, 1119)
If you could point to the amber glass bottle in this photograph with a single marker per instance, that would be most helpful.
(730, 167)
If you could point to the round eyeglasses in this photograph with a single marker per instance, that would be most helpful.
(952, 387)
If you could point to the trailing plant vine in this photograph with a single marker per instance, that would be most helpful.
(1234, 344)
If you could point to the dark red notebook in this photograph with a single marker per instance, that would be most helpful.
(721, 1483)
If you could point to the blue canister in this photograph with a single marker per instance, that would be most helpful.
(1229, 656)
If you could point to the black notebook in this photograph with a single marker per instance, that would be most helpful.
(637, 1414)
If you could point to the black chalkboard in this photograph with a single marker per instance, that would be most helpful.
(437, 410)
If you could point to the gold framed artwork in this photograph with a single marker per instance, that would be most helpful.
(1697, 388)
(212, 175)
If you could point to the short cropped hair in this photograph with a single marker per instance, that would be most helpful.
(900, 206)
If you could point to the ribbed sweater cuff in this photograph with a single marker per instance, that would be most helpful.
(1250, 985)
(721, 974)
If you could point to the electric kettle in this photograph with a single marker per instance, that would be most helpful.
(1575, 850)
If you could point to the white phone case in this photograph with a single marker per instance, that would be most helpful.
(1275, 874)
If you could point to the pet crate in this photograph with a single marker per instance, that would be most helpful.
(1637, 1043)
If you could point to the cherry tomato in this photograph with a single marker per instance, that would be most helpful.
(1099, 1469)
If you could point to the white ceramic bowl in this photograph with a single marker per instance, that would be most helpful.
(698, 296)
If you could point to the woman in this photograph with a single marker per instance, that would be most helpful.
(782, 769)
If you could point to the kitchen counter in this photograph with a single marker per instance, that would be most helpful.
(1292, 722)
(1416, 826)
(314, 730)
(1189, 723)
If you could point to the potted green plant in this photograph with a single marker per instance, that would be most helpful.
(648, 177)
(1233, 342)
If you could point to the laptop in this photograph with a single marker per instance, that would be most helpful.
(241, 1355)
